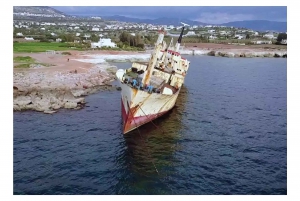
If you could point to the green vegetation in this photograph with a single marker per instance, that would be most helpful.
(281, 36)
(127, 39)
(66, 53)
(40, 46)
(27, 62)
(21, 59)
(26, 65)
(123, 48)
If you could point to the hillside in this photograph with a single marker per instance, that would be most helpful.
(44, 11)
(158, 21)
(259, 25)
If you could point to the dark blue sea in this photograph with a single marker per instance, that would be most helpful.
(226, 135)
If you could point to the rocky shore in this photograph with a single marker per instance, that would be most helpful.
(231, 53)
(64, 84)
(47, 93)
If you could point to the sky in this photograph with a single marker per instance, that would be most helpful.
(206, 14)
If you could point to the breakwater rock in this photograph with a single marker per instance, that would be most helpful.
(47, 93)
(248, 54)
(231, 53)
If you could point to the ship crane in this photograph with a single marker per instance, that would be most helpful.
(184, 24)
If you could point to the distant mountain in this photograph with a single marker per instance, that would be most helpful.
(158, 21)
(259, 25)
(43, 10)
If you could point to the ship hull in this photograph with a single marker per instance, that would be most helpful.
(140, 107)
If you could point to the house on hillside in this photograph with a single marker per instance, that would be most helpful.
(212, 37)
(28, 38)
(95, 29)
(103, 42)
(190, 33)
(284, 41)
(269, 36)
(260, 42)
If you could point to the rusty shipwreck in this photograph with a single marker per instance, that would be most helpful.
(149, 90)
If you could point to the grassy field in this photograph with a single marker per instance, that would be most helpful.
(27, 62)
(25, 59)
(40, 46)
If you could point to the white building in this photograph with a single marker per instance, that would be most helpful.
(28, 38)
(284, 41)
(190, 33)
(19, 34)
(260, 42)
(213, 37)
(269, 35)
(103, 42)
(237, 36)
(95, 29)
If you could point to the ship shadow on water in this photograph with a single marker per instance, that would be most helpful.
(149, 153)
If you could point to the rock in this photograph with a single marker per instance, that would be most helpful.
(276, 55)
(22, 100)
(249, 55)
(78, 92)
(17, 107)
(49, 111)
(268, 55)
(70, 105)
(56, 106)
(211, 53)
(229, 54)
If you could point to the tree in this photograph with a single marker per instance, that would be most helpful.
(281, 36)
(95, 38)
(247, 36)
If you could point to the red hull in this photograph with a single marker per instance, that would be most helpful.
(130, 123)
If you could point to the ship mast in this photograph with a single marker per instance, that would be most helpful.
(154, 56)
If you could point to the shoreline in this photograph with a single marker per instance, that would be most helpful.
(61, 85)
(70, 78)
